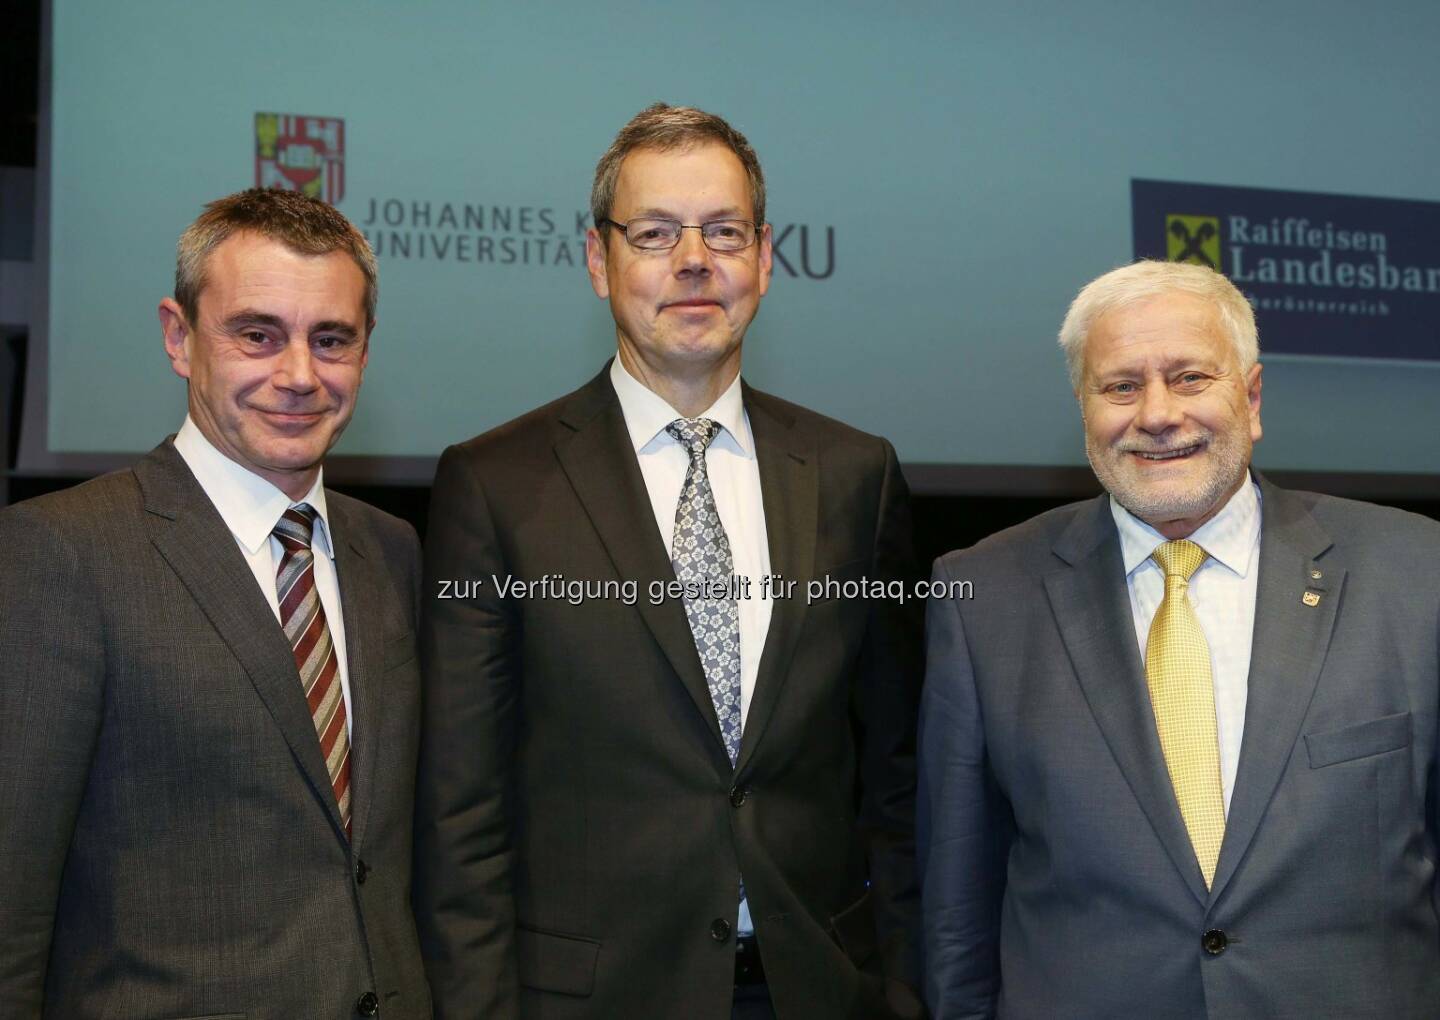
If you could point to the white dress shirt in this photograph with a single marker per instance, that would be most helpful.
(1222, 592)
(735, 481)
(250, 507)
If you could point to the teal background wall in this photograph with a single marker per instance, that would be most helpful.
(973, 162)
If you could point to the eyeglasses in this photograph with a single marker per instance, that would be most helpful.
(653, 234)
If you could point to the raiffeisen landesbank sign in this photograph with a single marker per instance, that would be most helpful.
(1328, 274)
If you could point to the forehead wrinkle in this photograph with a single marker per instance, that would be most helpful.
(686, 177)
(335, 326)
(1145, 366)
(286, 297)
(727, 212)
(1164, 345)
(249, 317)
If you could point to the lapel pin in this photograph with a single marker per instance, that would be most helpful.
(1311, 598)
(1315, 575)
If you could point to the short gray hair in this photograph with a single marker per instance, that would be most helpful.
(301, 223)
(1149, 278)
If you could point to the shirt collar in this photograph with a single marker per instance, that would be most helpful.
(1229, 537)
(647, 413)
(248, 504)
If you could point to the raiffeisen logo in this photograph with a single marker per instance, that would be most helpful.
(1193, 239)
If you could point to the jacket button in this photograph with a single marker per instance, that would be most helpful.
(720, 929)
(362, 871)
(738, 795)
(1214, 941)
(368, 1005)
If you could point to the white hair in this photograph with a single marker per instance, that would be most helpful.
(1151, 278)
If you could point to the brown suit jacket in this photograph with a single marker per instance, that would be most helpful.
(169, 844)
(581, 833)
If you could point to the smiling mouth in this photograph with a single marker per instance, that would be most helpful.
(1160, 456)
(293, 415)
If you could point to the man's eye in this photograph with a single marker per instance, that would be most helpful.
(328, 342)
(1124, 389)
(653, 234)
(255, 336)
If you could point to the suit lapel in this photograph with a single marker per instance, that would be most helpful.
(1291, 639)
(190, 534)
(1092, 609)
(597, 456)
(362, 657)
(789, 487)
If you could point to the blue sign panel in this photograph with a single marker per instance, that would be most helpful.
(1327, 274)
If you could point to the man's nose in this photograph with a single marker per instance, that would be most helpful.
(296, 367)
(1159, 410)
(691, 253)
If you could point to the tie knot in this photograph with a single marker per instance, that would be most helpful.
(1180, 558)
(295, 526)
(695, 434)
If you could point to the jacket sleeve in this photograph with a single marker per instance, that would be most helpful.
(52, 681)
(960, 830)
(889, 694)
(464, 849)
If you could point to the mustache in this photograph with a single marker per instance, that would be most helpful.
(1199, 439)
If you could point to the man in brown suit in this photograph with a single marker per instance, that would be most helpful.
(677, 806)
(208, 724)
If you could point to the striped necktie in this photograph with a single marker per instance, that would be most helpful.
(1182, 694)
(303, 618)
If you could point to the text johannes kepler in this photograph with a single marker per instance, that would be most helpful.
(541, 235)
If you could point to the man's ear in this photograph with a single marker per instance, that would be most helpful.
(595, 263)
(1252, 397)
(767, 257)
(176, 330)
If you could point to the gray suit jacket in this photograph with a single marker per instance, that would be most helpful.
(169, 843)
(1058, 880)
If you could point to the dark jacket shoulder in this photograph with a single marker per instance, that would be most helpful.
(1359, 524)
(389, 530)
(829, 431)
(80, 526)
(89, 502)
(1025, 548)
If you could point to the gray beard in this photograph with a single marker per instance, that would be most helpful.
(1230, 458)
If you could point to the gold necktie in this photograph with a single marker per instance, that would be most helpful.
(1177, 671)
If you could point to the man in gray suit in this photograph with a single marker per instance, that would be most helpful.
(1178, 750)
(208, 724)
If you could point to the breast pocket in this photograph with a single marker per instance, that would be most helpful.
(853, 929)
(1362, 740)
(399, 650)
